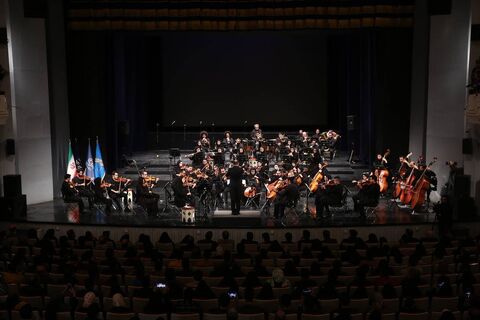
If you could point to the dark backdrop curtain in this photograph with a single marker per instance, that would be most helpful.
(113, 84)
(369, 79)
(114, 80)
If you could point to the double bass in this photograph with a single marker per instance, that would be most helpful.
(317, 179)
(406, 194)
(382, 174)
(421, 188)
(400, 176)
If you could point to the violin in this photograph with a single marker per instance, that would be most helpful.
(72, 186)
(122, 180)
(363, 183)
(86, 181)
(105, 185)
(150, 181)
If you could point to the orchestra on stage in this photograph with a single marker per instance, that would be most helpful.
(260, 173)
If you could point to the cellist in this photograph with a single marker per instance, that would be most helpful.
(289, 193)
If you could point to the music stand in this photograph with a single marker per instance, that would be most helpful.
(174, 153)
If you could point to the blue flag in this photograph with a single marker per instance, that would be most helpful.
(89, 166)
(99, 168)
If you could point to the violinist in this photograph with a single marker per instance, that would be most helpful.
(235, 174)
(226, 187)
(288, 194)
(83, 185)
(145, 195)
(117, 190)
(368, 194)
(328, 193)
(206, 169)
(179, 167)
(70, 193)
(100, 190)
(218, 184)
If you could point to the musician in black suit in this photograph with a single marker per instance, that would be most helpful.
(368, 194)
(180, 191)
(329, 194)
(287, 195)
(70, 194)
(235, 174)
(145, 196)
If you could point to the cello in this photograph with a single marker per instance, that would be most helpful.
(382, 174)
(317, 179)
(421, 188)
(274, 187)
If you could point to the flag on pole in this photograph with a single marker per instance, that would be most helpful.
(89, 166)
(99, 168)
(71, 166)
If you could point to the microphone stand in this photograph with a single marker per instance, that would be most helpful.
(184, 135)
(171, 134)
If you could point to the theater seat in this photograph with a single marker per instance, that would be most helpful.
(255, 316)
(119, 316)
(413, 316)
(148, 316)
(306, 316)
(185, 316)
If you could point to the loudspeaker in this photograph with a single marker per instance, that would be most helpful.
(466, 208)
(13, 207)
(461, 187)
(437, 7)
(350, 122)
(10, 147)
(12, 185)
(467, 146)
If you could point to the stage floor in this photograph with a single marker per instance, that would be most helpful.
(387, 213)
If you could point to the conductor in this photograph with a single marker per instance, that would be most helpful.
(235, 175)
